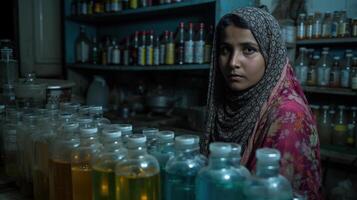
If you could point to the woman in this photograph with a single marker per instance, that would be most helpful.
(255, 100)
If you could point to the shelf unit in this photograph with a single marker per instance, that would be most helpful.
(334, 91)
(327, 41)
(138, 68)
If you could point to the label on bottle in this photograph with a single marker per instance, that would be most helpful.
(342, 29)
(126, 57)
(316, 29)
(116, 57)
(189, 51)
(149, 55)
(141, 55)
(156, 56)
(323, 76)
(334, 79)
(326, 30)
(199, 51)
(345, 78)
(340, 128)
(208, 52)
(170, 54)
(162, 53)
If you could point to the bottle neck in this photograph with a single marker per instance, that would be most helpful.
(265, 170)
(219, 162)
(134, 152)
(187, 151)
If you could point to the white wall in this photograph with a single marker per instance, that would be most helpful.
(323, 6)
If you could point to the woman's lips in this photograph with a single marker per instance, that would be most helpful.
(234, 77)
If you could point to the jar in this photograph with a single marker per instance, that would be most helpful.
(326, 26)
(342, 25)
(301, 66)
(340, 129)
(346, 72)
(317, 25)
(300, 31)
(335, 24)
(324, 125)
(323, 70)
(309, 26)
(354, 27)
(312, 71)
(335, 73)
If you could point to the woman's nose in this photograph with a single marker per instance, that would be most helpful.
(235, 60)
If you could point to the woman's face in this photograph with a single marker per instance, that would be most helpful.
(240, 60)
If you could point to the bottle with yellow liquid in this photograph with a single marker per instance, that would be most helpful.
(104, 163)
(81, 161)
(41, 142)
(60, 175)
(137, 176)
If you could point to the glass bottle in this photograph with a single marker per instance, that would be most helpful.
(199, 45)
(189, 44)
(312, 71)
(126, 131)
(133, 4)
(208, 45)
(134, 49)
(42, 140)
(354, 74)
(267, 182)
(309, 26)
(170, 50)
(180, 48)
(351, 134)
(340, 128)
(116, 55)
(138, 175)
(317, 26)
(82, 47)
(151, 138)
(235, 160)
(104, 163)
(354, 27)
(10, 136)
(335, 24)
(60, 176)
(110, 44)
(96, 113)
(342, 25)
(81, 162)
(150, 48)
(301, 27)
(164, 151)
(301, 66)
(126, 52)
(156, 58)
(335, 72)
(323, 69)
(326, 25)
(346, 72)
(324, 126)
(212, 181)
(142, 49)
(94, 51)
(163, 42)
(182, 169)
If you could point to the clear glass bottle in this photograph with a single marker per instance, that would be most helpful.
(10, 136)
(142, 49)
(352, 122)
(324, 126)
(235, 160)
(208, 45)
(309, 26)
(151, 138)
(170, 50)
(81, 162)
(182, 169)
(104, 163)
(60, 175)
(164, 151)
(199, 45)
(340, 127)
(96, 112)
(343, 25)
(180, 41)
(354, 74)
(150, 48)
(94, 54)
(138, 175)
(267, 182)
(212, 181)
(301, 28)
(312, 71)
(82, 47)
(335, 24)
(326, 25)
(189, 44)
(346, 72)
(163, 42)
(317, 26)
(126, 131)
(301, 66)
(335, 73)
(354, 27)
(323, 69)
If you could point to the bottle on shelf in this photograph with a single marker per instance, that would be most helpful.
(163, 43)
(199, 45)
(312, 71)
(94, 51)
(82, 47)
(354, 27)
(125, 4)
(151, 138)
(98, 6)
(317, 25)
(335, 24)
(309, 26)
(301, 26)
(323, 69)
(351, 133)
(324, 126)
(150, 48)
(335, 73)
(156, 59)
(354, 74)
(142, 50)
(189, 44)
(133, 4)
(326, 26)
(343, 25)
(340, 127)
(170, 50)
(134, 51)
(116, 55)
(346, 72)
(301, 66)
(208, 45)
(180, 44)
(126, 52)
(90, 7)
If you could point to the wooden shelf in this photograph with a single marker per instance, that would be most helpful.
(325, 90)
(327, 41)
(140, 68)
(339, 154)
(142, 13)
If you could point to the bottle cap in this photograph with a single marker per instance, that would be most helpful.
(220, 149)
(267, 155)
(166, 135)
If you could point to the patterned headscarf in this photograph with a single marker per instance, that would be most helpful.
(232, 115)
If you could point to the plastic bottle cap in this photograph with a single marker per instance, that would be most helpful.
(150, 131)
(125, 127)
(88, 131)
(95, 109)
(267, 155)
(166, 135)
(111, 132)
(220, 148)
(83, 120)
(185, 140)
(136, 140)
(70, 126)
(236, 148)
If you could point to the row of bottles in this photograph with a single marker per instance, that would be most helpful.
(336, 124)
(90, 7)
(315, 69)
(75, 153)
(328, 25)
(186, 46)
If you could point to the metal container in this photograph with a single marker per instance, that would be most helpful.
(58, 91)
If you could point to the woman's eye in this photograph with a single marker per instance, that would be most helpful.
(249, 50)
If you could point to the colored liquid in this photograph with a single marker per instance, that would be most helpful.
(179, 187)
(142, 188)
(40, 185)
(211, 189)
(103, 184)
(60, 180)
(40, 171)
(82, 182)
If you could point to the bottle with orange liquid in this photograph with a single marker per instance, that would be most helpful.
(81, 161)
(137, 176)
(104, 163)
(60, 176)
